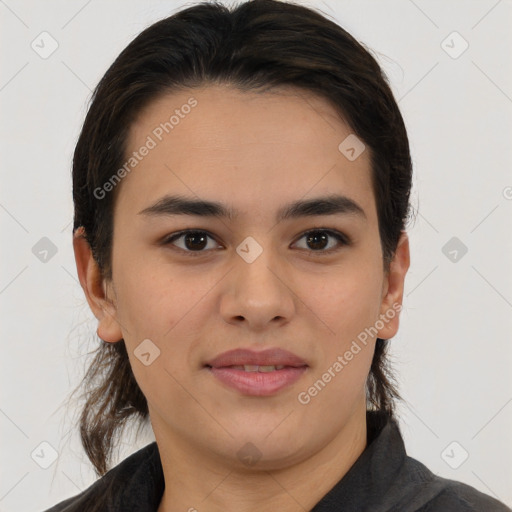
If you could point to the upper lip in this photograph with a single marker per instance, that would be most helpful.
(269, 357)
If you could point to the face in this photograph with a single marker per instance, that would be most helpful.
(308, 280)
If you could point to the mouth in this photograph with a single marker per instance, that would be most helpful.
(253, 373)
(268, 360)
(255, 367)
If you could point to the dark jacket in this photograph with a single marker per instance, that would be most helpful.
(383, 479)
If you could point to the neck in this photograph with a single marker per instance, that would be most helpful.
(197, 481)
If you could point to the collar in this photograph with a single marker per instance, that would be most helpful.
(368, 482)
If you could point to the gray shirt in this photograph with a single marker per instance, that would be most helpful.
(383, 479)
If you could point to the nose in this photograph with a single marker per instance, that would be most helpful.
(257, 293)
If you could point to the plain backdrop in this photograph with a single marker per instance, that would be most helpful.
(449, 64)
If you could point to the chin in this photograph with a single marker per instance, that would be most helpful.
(265, 449)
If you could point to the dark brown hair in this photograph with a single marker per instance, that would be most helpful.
(255, 46)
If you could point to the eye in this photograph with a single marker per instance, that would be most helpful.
(194, 241)
(318, 239)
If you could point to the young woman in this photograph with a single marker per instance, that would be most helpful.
(241, 187)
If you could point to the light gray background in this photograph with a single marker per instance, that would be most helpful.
(453, 353)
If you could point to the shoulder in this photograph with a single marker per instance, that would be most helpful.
(435, 493)
(101, 496)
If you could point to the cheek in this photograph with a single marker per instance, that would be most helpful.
(153, 299)
(139, 305)
(169, 308)
(347, 300)
(153, 304)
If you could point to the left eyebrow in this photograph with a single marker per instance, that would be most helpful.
(333, 204)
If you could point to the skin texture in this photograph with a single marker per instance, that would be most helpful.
(255, 153)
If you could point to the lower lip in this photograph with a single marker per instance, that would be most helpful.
(258, 383)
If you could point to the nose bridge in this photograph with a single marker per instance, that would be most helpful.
(258, 289)
(255, 271)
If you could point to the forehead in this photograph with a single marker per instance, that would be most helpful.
(251, 150)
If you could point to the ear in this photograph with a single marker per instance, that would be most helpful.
(95, 288)
(393, 289)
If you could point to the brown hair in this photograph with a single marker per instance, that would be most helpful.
(254, 46)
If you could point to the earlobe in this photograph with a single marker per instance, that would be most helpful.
(394, 289)
(95, 289)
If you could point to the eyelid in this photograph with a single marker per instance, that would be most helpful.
(168, 239)
(342, 238)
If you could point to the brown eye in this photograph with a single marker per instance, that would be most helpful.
(192, 241)
(318, 240)
(195, 240)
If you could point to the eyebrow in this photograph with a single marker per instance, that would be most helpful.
(333, 204)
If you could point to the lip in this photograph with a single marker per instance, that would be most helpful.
(257, 383)
(268, 357)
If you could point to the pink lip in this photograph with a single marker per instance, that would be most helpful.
(269, 357)
(257, 383)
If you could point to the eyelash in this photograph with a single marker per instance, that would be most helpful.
(343, 239)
